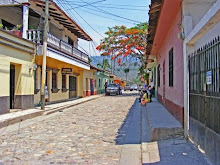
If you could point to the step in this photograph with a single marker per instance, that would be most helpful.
(162, 124)
(15, 117)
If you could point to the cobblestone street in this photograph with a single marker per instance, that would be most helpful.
(83, 134)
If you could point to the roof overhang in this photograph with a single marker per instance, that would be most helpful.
(161, 16)
(59, 15)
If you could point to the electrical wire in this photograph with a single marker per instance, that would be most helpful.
(106, 17)
(80, 2)
(88, 24)
(111, 13)
(90, 3)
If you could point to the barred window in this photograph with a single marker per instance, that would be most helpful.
(171, 67)
(54, 80)
(63, 81)
(158, 75)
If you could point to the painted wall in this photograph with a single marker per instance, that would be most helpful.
(87, 76)
(206, 138)
(196, 9)
(13, 54)
(174, 95)
(172, 41)
(60, 95)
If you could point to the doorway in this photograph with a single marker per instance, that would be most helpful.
(72, 87)
(164, 82)
(92, 86)
(12, 86)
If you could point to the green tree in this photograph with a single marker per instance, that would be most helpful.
(104, 65)
(122, 42)
(126, 70)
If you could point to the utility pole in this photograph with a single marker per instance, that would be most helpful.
(43, 78)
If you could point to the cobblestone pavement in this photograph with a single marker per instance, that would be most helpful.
(83, 134)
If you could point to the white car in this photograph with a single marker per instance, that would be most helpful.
(134, 87)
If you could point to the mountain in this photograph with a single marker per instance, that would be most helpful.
(133, 65)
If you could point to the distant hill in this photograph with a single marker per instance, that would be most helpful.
(119, 70)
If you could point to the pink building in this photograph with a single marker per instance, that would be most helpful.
(163, 42)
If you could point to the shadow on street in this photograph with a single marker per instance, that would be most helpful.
(130, 130)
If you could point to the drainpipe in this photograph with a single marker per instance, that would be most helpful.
(25, 19)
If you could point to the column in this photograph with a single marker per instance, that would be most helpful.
(25, 19)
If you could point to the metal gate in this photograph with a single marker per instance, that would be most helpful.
(204, 79)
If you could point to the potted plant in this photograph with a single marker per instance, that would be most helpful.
(1, 26)
(17, 30)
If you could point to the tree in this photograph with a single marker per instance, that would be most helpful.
(104, 65)
(126, 70)
(124, 43)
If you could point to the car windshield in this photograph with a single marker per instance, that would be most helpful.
(112, 85)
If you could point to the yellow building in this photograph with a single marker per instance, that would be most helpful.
(90, 82)
(16, 72)
(68, 68)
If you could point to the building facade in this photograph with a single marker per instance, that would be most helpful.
(186, 42)
(66, 64)
(201, 24)
(90, 82)
(16, 73)
(168, 49)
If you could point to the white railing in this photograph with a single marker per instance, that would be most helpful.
(37, 36)
(53, 40)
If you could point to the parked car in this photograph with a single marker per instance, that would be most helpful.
(112, 89)
(127, 87)
(134, 87)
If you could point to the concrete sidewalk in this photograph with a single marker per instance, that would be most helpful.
(15, 117)
(164, 143)
(162, 124)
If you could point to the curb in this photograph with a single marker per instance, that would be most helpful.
(68, 106)
(17, 119)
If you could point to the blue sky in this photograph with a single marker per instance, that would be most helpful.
(83, 11)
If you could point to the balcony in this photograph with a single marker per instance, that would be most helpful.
(36, 36)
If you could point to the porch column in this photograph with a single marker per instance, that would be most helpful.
(25, 19)
(49, 83)
(89, 90)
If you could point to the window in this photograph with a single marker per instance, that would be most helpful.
(70, 41)
(54, 80)
(63, 81)
(158, 75)
(73, 83)
(171, 67)
(95, 83)
(99, 83)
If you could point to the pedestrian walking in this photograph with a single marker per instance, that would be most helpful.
(106, 85)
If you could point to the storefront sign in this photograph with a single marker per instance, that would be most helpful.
(67, 70)
(209, 77)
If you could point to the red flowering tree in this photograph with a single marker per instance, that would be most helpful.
(122, 42)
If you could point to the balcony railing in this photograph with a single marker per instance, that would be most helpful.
(37, 36)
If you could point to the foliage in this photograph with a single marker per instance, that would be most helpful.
(126, 70)
(90, 60)
(1, 26)
(104, 65)
(122, 42)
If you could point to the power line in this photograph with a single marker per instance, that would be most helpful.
(90, 4)
(88, 23)
(111, 13)
(105, 17)
(121, 8)
(138, 6)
